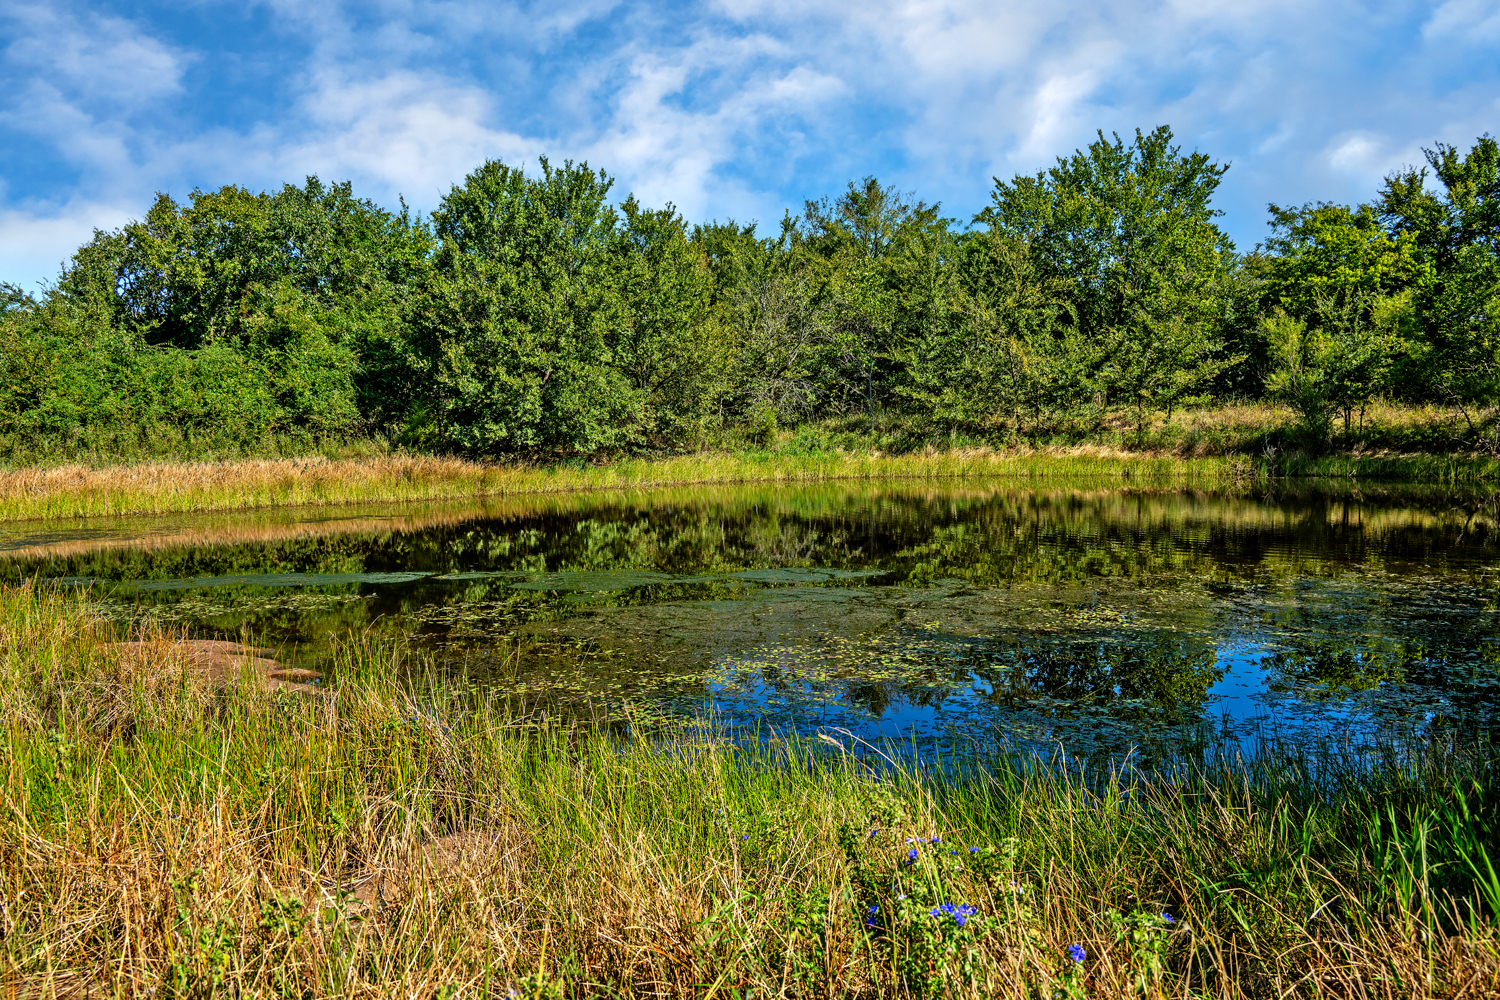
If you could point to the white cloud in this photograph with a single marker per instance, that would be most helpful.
(406, 132)
(96, 58)
(1055, 110)
(678, 118)
(36, 240)
(1358, 155)
(744, 106)
(1471, 21)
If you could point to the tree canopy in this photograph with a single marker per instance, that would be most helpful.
(543, 314)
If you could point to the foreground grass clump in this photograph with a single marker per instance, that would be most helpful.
(395, 839)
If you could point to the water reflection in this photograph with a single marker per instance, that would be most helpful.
(1082, 613)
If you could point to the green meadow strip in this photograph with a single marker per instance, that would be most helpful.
(78, 491)
(1402, 468)
(159, 489)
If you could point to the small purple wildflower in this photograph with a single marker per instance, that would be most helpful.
(936, 840)
(960, 914)
(1168, 918)
(952, 851)
(911, 856)
(909, 840)
(874, 831)
(870, 918)
(1076, 952)
(973, 850)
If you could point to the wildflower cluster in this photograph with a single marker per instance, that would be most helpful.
(960, 914)
(1071, 983)
(909, 887)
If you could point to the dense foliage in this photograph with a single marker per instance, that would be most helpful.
(533, 316)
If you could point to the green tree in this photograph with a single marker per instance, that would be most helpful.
(887, 259)
(183, 273)
(1322, 249)
(231, 267)
(1339, 361)
(1130, 230)
(514, 331)
(1322, 255)
(670, 350)
(1456, 232)
(779, 316)
(555, 324)
(1010, 350)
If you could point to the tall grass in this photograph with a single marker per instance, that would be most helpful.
(1224, 447)
(395, 836)
(80, 491)
(1248, 429)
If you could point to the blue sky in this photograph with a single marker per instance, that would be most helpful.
(729, 108)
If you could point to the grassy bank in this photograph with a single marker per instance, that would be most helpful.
(399, 839)
(1258, 430)
(1230, 446)
(161, 488)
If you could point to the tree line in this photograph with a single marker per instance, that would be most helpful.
(530, 315)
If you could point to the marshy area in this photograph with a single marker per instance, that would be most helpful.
(978, 737)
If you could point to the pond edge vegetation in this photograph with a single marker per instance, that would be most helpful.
(395, 834)
(71, 491)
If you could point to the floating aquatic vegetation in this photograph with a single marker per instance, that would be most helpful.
(273, 580)
(1104, 617)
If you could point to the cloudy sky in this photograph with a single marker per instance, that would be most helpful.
(728, 108)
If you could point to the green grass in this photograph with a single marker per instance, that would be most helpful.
(1447, 469)
(393, 836)
(1226, 447)
(78, 491)
(1247, 429)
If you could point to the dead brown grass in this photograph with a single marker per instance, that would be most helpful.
(216, 663)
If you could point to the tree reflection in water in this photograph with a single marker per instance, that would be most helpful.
(983, 607)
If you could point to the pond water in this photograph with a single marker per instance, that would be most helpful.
(1100, 618)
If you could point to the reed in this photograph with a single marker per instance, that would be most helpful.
(397, 836)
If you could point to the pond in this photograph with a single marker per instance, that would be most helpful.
(1085, 614)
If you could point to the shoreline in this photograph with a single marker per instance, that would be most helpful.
(80, 491)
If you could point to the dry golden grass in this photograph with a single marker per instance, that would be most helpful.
(1226, 443)
(217, 663)
(80, 491)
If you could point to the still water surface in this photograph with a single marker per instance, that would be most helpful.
(1101, 618)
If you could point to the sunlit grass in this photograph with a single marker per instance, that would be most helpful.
(1227, 446)
(1249, 429)
(393, 836)
(159, 488)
